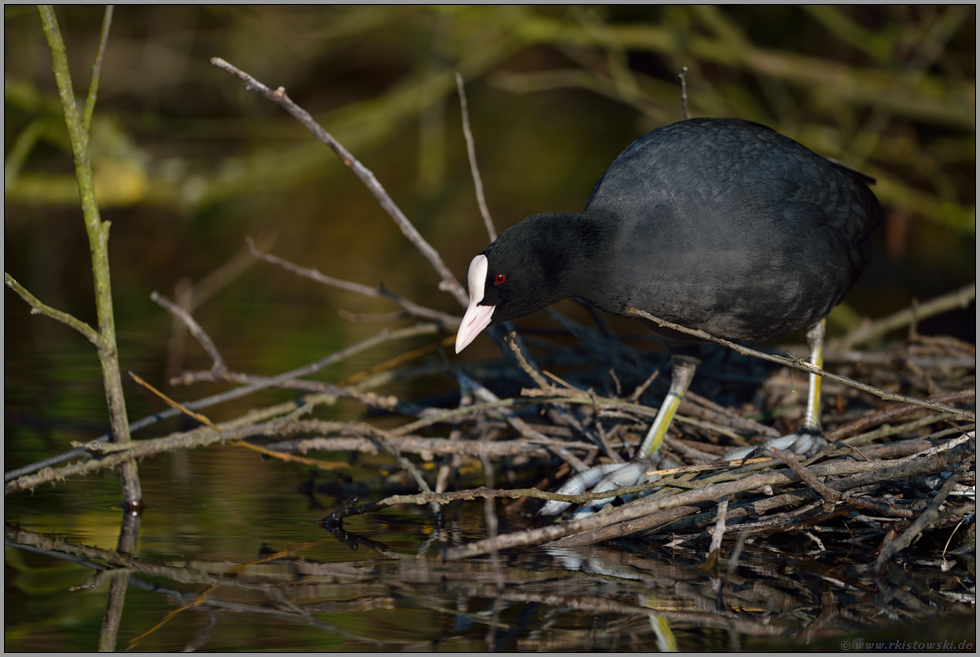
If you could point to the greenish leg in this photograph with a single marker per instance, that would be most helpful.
(814, 338)
(680, 379)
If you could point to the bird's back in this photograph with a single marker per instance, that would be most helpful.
(728, 226)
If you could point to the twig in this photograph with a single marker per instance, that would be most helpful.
(203, 419)
(416, 445)
(119, 454)
(38, 308)
(474, 169)
(640, 389)
(482, 492)
(789, 459)
(380, 292)
(621, 514)
(206, 421)
(683, 76)
(255, 384)
(930, 515)
(191, 296)
(888, 414)
(392, 363)
(807, 367)
(93, 84)
(960, 298)
(520, 425)
(737, 420)
(449, 282)
(719, 531)
(218, 366)
(511, 340)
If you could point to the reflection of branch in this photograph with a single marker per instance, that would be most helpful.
(215, 575)
(449, 282)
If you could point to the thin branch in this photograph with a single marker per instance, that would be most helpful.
(379, 292)
(634, 511)
(255, 384)
(93, 84)
(219, 367)
(449, 282)
(895, 412)
(930, 515)
(719, 533)
(683, 76)
(960, 298)
(38, 308)
(804, 366)
(98, 238)
(789, 459)
(511, 340)
(474, 169)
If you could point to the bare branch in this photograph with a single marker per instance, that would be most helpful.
(683, 76)
(960, 298)
(93, 84)
(930, 515)
(379, 292)
(449, 282)
(474, 169)
(219, 366)
(804, 366)
(39, 308)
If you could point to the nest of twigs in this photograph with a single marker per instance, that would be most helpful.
(890, 471)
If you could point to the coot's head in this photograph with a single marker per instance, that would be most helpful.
(526, 269)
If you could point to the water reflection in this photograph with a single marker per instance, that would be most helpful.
(377, 590)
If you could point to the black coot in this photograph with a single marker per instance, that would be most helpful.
(716, 224)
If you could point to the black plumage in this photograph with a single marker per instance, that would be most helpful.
(718, 224)
(715, 224)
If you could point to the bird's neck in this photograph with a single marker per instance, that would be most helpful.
(571, 249)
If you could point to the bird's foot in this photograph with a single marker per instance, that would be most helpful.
(805, 442)
(606, 477)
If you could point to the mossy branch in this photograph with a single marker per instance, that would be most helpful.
(97, 230)
(42, 309)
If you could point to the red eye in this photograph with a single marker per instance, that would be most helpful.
(499, 279)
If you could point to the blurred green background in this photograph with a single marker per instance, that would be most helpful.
(188, 163)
